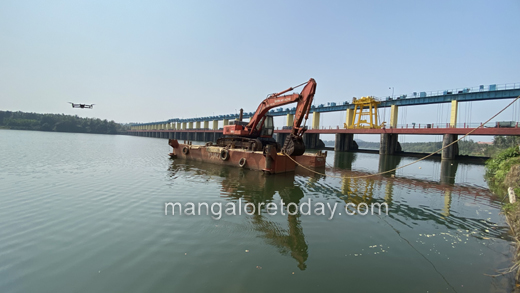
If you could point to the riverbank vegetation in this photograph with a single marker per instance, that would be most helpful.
(58, 122)
(503, 173)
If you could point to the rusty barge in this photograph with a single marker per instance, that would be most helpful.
(269, 161)
(251, 144)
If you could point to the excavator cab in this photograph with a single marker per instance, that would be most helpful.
(267, 127)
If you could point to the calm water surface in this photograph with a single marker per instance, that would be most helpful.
(85, 213)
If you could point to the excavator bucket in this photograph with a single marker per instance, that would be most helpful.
(293, 146)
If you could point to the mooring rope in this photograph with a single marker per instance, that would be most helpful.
(416, 161)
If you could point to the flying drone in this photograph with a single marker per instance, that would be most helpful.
(82, 106)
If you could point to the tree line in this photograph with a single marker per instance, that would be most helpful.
(58, 122)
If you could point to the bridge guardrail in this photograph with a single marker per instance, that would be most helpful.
(495, 124)
(480, 88)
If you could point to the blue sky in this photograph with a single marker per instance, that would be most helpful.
(142, 61)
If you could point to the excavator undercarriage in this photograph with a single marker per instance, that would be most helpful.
(250, 144)
(293, 145)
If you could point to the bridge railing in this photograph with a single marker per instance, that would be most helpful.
(495, 124)
(480, 88)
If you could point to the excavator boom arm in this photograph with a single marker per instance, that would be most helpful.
(304, 106)
(304, 100)
(269, 103)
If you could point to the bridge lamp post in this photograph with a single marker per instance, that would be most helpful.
(392, 91)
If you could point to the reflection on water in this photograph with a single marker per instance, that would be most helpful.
(96, 223)
(362, 190)
(255, 187)
(344, 160)
(448, 171)
(289, 238)
(387, 163)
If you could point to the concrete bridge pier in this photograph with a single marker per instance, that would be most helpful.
(451, 152)
(281, 137)
(389, 144)
(311, 140)
(345, 142)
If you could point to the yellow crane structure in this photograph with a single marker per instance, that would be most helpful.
(364, 114)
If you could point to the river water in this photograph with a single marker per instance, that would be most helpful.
(86, 213)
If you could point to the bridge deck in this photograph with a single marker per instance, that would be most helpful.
(412, 131)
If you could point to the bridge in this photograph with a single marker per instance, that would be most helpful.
(207, 128)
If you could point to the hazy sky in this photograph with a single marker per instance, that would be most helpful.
(142, 61)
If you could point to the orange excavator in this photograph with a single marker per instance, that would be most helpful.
(258, 132)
